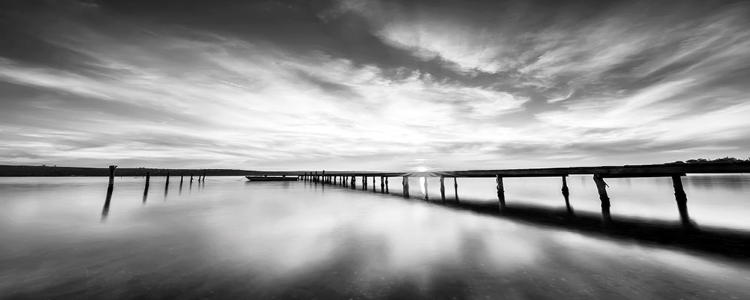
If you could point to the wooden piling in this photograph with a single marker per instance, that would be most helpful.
(500, 192)
(426, 191)
(386, 184)
(354, 182)
(191, 178)
(181, 178)
(382, 184)
(166, 185)
(374, 189)
(455, 187)
(405, 185)
(110, 189)
(442, 188)
(681, 198)
(601, 186)
(145, 189)
(364, 183)
(566, 195)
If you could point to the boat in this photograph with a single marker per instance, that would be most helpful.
(271, 178)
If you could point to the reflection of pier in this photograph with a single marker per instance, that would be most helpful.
(599, 174)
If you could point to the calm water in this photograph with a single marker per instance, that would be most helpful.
(234, 239)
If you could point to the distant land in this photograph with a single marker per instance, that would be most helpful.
(45, 170)
(50, 171)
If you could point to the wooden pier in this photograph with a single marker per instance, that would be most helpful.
(599, 175)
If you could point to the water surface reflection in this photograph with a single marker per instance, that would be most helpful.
(234, 239)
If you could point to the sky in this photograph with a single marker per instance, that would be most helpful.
(372, 85)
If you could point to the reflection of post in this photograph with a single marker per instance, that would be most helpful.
(181, 180)
(566, 194)
(601, 186)
(191, 178)
(204, 176)
(145, 190)
(442, 188)
(405, 184)
(426, 192)
(386, 184)
(500, 192)
(110, 188)
(455, 187)
(681, 197)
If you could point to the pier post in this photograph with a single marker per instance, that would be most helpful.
(364, 183)
(110, 189)
(181, 178)
(354, 182)
(191, 178)
(601, 186)
(442, 188)
(145, 190)
(566, 195)
(166, 185)
(382, 184)
(426, 191)
(374, 187)
(386, 184)
(204, 176)
(455, 187)
(405, 185)
(500, 192)
(681, 197)
(323, 177)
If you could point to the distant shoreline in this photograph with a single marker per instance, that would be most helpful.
(54, 171)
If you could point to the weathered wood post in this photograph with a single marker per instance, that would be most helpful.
(166, 185)
(191, 178)
(426, 191)
(315, 177)
(374, 188)
(601, 186)
(110, 189)
(566, 195)
(442, 188)
(405, 184)
(455, 187)
(364, 183)
(323, 177)
(204, 176)
(382, 184)
(500, 192)
(353, 184)
(145, 190)
(181, 179)
(681, 197)
(386, 184)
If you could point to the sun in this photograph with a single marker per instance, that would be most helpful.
(422, 169)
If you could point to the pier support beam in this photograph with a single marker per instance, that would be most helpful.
(681, 198)
(145, 189)
(601, 186)
(364, 183)
(566, 195)
(386, 184)
(354, 182)
(110, 189)
(500, 192)
(405, 185)
(382, 184)
(442, 188)
(455, 187)
(426, 191)
(374, 188)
